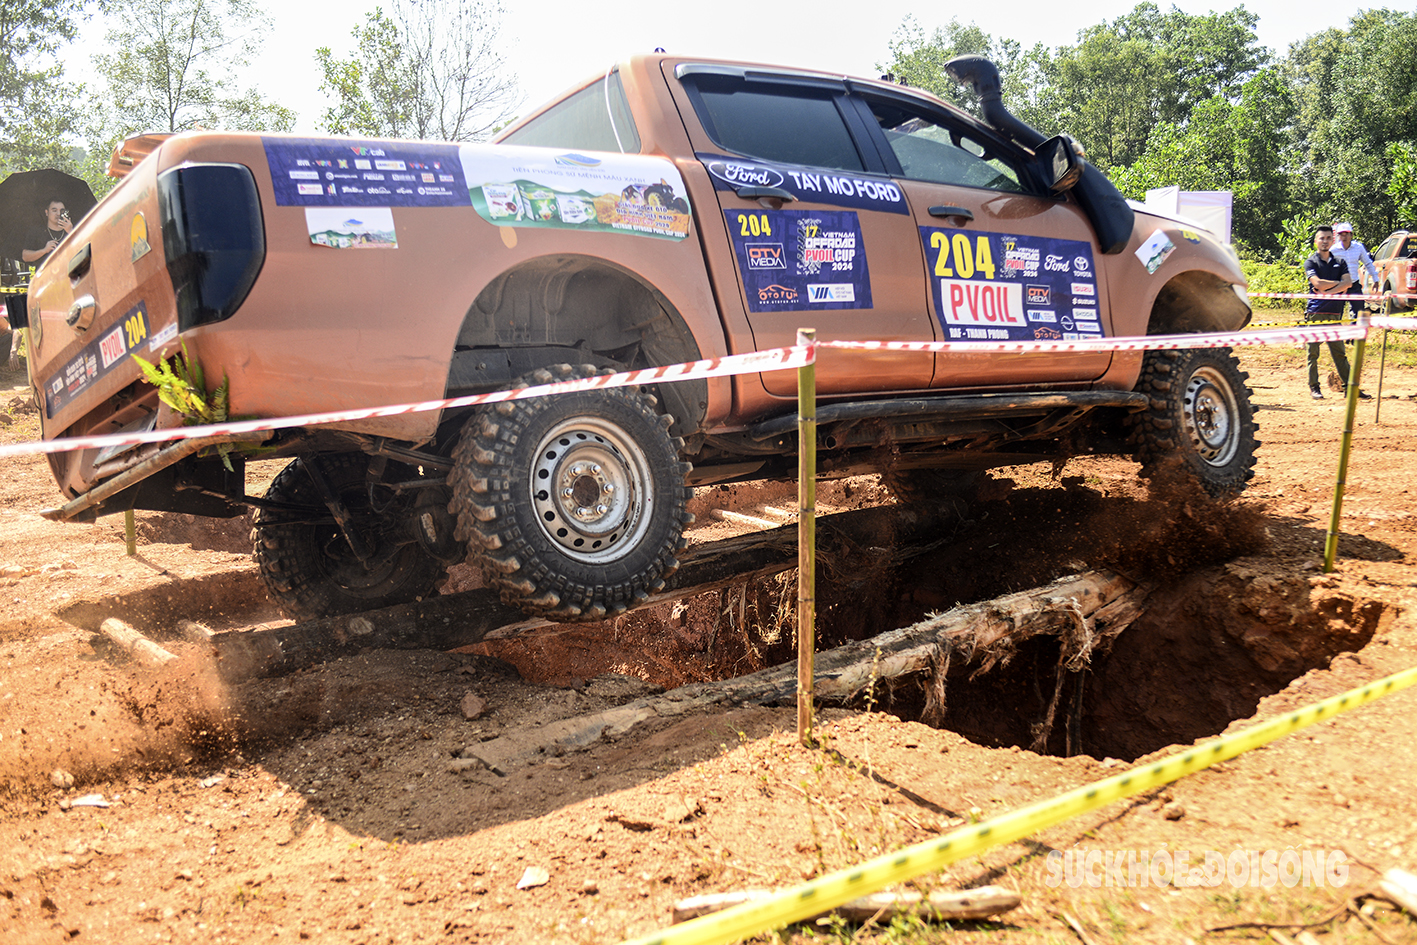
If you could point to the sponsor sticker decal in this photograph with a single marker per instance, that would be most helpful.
(298, 165)
(352, 228)
(800, 260)
(980, 293)
(96, 359)
(1154, 251)
(605, 193)
(840, 189)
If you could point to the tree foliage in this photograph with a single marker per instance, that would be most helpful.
(171, 67)
(38, 113)
(426, 69)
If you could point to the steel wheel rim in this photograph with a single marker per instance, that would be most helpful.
(1211, 416)
(590, 490)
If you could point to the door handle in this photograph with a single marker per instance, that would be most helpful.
(766, 194)
(951, 213)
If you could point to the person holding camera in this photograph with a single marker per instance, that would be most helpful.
(42, 240)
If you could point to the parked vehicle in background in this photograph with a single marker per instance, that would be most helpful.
(1396, 262)
(669, 210)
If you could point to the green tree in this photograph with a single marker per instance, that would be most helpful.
(1241, 147)
(172, 68)
(1402, 185)
(1357, 94)
(38, 114)
(427, 69)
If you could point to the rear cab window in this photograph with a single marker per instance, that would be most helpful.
(597, 118)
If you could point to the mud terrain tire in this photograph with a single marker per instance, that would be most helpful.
(308, 566)
(1199, 423)
(575, 503)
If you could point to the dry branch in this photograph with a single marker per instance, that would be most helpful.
(978, 903)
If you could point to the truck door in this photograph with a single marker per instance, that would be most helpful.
(816, 234)
(1003, 261)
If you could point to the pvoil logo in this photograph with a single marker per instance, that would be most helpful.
(571, 159)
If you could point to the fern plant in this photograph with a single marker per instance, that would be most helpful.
(182, 385)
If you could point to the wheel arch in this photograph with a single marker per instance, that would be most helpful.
(550, 305)
(1197, 301)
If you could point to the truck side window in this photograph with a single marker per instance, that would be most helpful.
(932, 152)
(775, 123)
(588, 121)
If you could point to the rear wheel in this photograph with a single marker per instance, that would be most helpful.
(1199, 424)
(308, 565)
(577, 501)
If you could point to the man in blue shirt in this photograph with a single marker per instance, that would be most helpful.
(1328, 275)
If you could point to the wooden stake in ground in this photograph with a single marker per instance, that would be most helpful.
(806, 535)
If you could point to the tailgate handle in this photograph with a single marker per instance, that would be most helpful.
(963, 213)
(79, 265)
(81, 313)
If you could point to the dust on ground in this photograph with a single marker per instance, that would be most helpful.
(338, 804)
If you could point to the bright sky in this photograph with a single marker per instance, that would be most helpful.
(551, 44)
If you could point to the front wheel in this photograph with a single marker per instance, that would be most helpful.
(576, 501)
(1199, 423)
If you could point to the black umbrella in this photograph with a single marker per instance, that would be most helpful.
(23, 197)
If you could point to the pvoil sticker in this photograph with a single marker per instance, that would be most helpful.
(800, 260)
(1010, 287)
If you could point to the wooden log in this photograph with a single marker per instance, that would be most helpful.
(1400, 887)
(194, 632)
(138, 647)
(980, 903)
(843, 672)
(453, 620)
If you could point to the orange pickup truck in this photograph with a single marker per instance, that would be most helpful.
(669, 210)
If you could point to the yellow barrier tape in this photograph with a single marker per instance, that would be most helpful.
(822, 895)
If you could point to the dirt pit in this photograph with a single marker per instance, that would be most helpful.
(347, 802)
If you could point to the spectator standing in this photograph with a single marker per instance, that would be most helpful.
(1328, 275)
(1356, 255)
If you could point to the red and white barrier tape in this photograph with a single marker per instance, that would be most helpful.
(1330, 296)
(1312, 334)
(775, 359)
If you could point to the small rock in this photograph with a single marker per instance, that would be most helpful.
(534, 876)
(213, 781)
(473, 706)
(61, 778)
(12, 570)
(89, 800)
(360, 627)
(590, 887)
(1173, 811)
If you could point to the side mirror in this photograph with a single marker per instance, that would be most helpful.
(1061, 159)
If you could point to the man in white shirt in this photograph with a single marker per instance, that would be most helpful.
(1356, 255)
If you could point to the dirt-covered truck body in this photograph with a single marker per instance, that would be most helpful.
(669, 211)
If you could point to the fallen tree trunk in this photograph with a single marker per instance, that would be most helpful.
(453, 620)
(1082, 611)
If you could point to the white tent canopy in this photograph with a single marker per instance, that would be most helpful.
(1211, 209)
